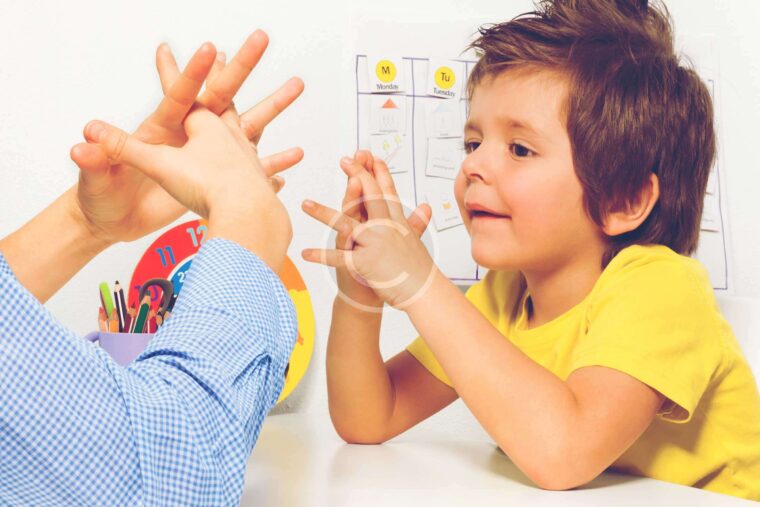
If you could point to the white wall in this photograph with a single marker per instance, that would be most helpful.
(66, 63)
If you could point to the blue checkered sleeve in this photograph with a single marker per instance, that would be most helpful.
(176, 426)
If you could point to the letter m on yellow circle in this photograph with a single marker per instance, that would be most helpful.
(386, 71)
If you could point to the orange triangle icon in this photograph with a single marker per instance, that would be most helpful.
(389, 104)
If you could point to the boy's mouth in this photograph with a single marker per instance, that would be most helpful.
(479, 211)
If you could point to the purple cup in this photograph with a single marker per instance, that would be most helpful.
(122, 347)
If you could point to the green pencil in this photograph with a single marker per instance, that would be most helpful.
(142, 314)
(105, 295)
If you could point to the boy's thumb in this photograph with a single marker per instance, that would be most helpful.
(121, 148)
(419, 219)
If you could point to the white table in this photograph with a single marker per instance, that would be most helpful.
(300, 461)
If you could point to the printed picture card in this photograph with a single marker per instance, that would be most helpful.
(387, 114)
(445, 78)
(386, 74)
(445, 210)
(444, 118)
(391, 148)
(444, 157)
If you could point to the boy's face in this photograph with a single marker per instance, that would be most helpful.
(517, 190)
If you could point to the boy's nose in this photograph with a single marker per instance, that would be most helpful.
(474, 168)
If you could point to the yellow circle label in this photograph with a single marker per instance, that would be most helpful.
(444, 78)
(385, 70)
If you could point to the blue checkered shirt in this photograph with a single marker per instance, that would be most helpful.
(176, 426)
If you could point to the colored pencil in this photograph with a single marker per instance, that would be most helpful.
(171, 303)
(152, 321)
(121, 305)
(102, 321)
(113, 322)
(105, 298)
(127, 319)
(142, 314)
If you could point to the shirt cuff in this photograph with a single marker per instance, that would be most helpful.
(238, 307)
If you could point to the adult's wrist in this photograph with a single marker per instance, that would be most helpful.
(90, 239)
(266, 235)
(54, 245)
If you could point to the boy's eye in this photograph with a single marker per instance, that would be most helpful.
(470, 146)
(520, 151)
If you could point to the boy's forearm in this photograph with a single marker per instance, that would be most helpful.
(52, 247)
(528, 410)
(360, 392)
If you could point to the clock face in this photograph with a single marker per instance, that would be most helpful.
(170, 257)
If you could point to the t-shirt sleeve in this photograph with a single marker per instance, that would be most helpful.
(480, 295)
(657, 322)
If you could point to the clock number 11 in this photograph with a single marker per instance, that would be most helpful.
(170, 253)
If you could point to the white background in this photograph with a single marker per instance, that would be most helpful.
(64, 64)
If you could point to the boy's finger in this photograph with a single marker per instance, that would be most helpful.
(220, 92)
(332, 218)
(388, 187)
(352, 201)
(259, 116)
(168, 72)
(181, 95)
(155, 161)
(281, 161)
(366, 159)
(419, 219)
(334, 258)
(371, 193)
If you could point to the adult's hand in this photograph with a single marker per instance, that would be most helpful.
(117, 201)
(217, 174)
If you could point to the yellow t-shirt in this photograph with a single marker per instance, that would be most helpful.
(651, 315)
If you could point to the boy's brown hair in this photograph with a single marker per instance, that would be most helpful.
(631, 110)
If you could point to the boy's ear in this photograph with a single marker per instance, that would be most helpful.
(633, 215)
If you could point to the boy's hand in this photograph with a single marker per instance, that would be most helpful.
(385, 251)
(117, 201)
(352, 289)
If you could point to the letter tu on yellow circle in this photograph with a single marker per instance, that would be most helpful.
(444, 77)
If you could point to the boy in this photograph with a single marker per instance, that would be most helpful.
(593, 341)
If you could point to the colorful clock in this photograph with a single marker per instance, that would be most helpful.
(171, 255)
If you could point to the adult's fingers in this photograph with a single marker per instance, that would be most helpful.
(198, 119)
(156, 161)
(231, 118)
(219, 62)
(166, 65)
(181, 95)
(277, 183)
(259, 116)
(92, 162)
(220, 92)
(281, 161)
